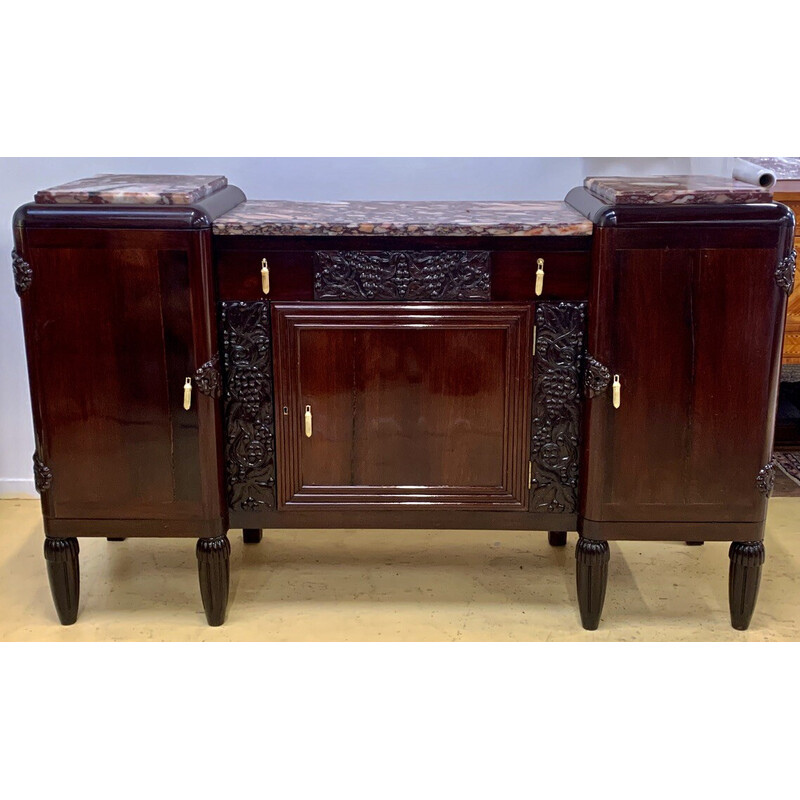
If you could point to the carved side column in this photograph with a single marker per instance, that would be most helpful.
(556, 422)
(248, 405)
(213, 568)
(744, 578)
(591, 558)
(63, 572)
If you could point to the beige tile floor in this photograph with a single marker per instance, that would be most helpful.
(395, 586)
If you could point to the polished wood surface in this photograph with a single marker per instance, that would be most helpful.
(63, 572)
(744, 579)
(213, 570)
(421, 413)
(591, 578)
(697, 392)
(115, 320)
(415, 404)
(513, 263)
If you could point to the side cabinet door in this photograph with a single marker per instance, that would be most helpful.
(695, 338)
(418, 405)
(116, 322)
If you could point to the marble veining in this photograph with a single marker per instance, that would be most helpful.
(134, 190)
(675, 189)
(402, 218)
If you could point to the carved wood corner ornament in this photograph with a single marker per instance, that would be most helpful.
(208, 378)
(784, 273)
(597, 376)
(23, 274)
(42, 475)
(765, 480)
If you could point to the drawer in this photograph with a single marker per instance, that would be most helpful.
(566, 275)
(291, 274)
(396, 273)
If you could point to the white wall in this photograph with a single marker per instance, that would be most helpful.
(286, 179)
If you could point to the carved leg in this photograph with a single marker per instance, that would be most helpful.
(557, 538)
(695, 544)
(252, 535)
(744, 578)
(592, 575)
(115, 539)
(213, 567)
(63, 572)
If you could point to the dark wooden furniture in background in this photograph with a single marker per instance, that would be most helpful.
(787, 428)
(399, 381)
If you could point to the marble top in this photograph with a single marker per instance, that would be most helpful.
(402, 218)
(786, 168)
(675, 189)
(134, 189)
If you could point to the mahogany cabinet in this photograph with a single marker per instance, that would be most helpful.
(198, 363)
(120, 331)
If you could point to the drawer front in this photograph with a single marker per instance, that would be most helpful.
(565, 275)
(291, 274)
(469, 271)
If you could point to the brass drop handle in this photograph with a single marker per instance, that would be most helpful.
(264, 276)
(615, 392)
(308, 421)
(539, 276)
(187, 394)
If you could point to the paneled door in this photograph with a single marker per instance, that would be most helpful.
(117, 324)
(694, 337)
(415, 404)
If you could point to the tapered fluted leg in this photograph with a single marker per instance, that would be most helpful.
(744, 578)
(591, 558)
(213, 567)
(252, 535)
(557, 538)
(63, 572)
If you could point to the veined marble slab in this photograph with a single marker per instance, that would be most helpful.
(675, 189)
(402, 218)
(134, 190)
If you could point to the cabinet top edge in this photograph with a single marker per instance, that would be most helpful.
(608, 215)
(198, 215)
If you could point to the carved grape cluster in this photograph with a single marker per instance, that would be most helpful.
(556, 407)
(249, 415)
(401, 275)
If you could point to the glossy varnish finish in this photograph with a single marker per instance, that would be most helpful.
(694, 332)
(513, 263)
(115, 321)
(418, 405)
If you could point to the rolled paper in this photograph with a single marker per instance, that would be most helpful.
(748, 172)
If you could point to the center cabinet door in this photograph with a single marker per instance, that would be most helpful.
(414, 404)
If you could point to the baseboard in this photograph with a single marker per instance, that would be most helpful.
(17, 489)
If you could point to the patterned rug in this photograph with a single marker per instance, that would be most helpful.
(789, 464)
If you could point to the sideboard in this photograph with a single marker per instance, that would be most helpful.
(608, 365)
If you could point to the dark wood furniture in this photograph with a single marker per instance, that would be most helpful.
(186, 381)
